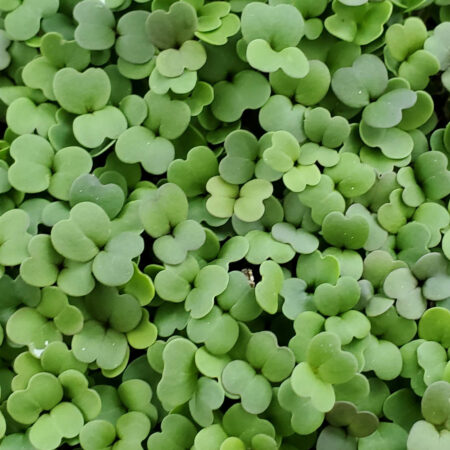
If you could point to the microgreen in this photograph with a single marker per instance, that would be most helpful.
(224, 225)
